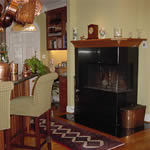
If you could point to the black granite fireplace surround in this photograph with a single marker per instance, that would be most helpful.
(106, 80)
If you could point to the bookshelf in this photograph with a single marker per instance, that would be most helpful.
(56, 29)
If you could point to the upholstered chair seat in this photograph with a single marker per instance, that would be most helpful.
(25, 106)
(36, 105)
(5, 94)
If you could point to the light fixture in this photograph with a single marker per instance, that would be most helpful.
(24, 28)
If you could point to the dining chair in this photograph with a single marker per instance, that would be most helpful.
(35, 106)
(5, 94)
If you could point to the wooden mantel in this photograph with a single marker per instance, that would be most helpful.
(123, 42)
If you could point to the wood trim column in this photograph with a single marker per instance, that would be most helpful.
(2, 146)
(63, 93)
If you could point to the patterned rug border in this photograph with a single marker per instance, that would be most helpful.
(75, 138)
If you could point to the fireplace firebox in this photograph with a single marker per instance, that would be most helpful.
(106, 79)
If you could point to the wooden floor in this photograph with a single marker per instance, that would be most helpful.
(137, 141)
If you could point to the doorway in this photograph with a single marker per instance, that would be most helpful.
(22, 45)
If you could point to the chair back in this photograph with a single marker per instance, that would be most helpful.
(5, 93)
(42, 92)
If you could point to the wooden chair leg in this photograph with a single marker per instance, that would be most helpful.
(22, 130)
(27, 123)
(37, 132)
(48, 130)
(8, 139)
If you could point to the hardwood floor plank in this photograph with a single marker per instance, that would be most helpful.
(137, 141)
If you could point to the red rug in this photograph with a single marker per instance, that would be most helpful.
(76, 138)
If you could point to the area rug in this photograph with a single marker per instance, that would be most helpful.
(76, 138)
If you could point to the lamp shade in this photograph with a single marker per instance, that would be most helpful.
(27, 27)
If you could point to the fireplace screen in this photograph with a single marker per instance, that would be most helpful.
(108, 69)
(112, 78)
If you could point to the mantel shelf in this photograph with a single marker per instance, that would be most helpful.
(115, 42)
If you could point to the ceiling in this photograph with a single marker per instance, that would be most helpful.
(52, 4)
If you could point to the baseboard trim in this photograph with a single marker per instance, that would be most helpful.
(70, 109)
(147, 118)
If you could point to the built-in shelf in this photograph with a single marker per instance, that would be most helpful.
(56, 29)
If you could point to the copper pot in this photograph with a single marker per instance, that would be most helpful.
(1, 8)
(7, 21)
(13, 68)
(4, 71)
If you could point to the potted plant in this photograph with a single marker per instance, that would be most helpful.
(3, 53)
(36, 66)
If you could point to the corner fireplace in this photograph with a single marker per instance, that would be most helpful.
(106, 77)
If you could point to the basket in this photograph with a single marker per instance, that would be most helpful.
(133, 116)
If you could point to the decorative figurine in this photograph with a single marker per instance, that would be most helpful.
(82, 38)
(102, 33)
(74, 33)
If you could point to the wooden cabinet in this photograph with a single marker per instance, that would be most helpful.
(56, 29)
